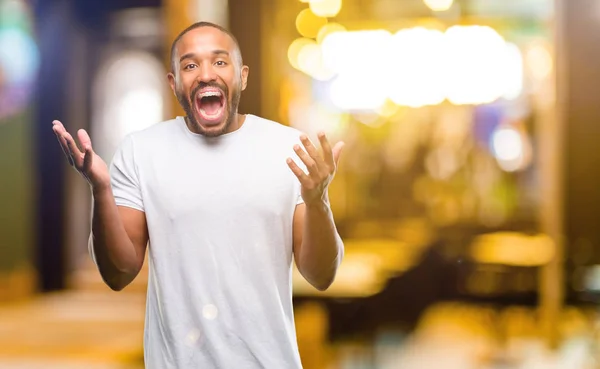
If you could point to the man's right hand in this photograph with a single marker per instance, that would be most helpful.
(119, 233)
(88, 163)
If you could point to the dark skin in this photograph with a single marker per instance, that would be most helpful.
(120, 234)
(208, 57)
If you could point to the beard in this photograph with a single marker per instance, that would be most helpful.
(232, 102)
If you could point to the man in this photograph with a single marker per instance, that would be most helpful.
(222, 212)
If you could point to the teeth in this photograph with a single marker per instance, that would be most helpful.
(210, 93)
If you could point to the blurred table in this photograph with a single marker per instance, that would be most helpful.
(367, 266)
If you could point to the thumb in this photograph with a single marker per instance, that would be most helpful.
(337, 150)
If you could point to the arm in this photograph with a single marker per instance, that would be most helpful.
(118, 240)
(119, 234)
(318, 248)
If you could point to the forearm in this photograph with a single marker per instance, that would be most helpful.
(322, 248)
(114, 252)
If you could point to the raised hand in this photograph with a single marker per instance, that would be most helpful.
(88, 163)
(321, 167)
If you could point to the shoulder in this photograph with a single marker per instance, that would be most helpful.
(143, 142)
(157, 132)
(156, 136)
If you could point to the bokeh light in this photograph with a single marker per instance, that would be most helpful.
(439, 5)
(513, 249)
(357, 94)
(466, 65)
(19, 57)
(507, 144)
(511, 148)
(329, 29)
(308, 24)
(513, 72)
(326, 8)
(310, 61)
(415, 72)
(340, 52)
(475, 59)
(295, 48)
(539, 61)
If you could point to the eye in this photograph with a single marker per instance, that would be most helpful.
(221, 63)
(190, 66)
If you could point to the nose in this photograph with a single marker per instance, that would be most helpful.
(207, 73)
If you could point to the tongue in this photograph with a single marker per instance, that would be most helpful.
(211, 106)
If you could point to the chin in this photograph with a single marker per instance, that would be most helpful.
(211, 129)
(214, 131)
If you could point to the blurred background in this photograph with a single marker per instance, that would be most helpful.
(467, 195)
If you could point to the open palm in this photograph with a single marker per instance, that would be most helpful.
(86, 162)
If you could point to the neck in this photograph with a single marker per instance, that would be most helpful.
(238, 120)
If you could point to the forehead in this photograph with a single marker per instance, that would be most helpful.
(204, 39)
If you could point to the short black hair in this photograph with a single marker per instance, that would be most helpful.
(200, 25)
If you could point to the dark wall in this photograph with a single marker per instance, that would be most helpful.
(57, 21)
(578, 53)
(245, 24)
(54, 21)
(579, 91)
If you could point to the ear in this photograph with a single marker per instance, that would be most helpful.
(171, 78)
(245, 71)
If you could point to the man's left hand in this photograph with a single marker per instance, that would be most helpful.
(321, 167)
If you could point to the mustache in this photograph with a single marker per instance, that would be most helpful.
(202, 85)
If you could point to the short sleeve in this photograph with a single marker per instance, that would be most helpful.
(124, 176)
(299, 163)
(299, 199)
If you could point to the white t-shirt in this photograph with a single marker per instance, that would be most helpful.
(220, 214)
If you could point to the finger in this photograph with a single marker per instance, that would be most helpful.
(337, 151)
(59, 137)
(57, 124)
(327, 152)
(87, 158)
(311, 164)
(84, 139)
(63, 144)
(310, 148)
(302, 177)
(76, 154)
(58, 128)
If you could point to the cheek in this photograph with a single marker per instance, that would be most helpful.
(239, 82)
(231, 84)
(184, 83)
(180, 91)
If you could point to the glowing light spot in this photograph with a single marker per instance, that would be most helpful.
(294, 50)
(539, 62)
(439, 5)
(19, 57)
(308, 23)
(328, 29)
(210, 312)
(326, 8)
(510, 148)
(192, 337)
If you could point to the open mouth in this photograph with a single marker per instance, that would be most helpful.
(210, 104)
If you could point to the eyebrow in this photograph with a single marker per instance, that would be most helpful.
(193, 55)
